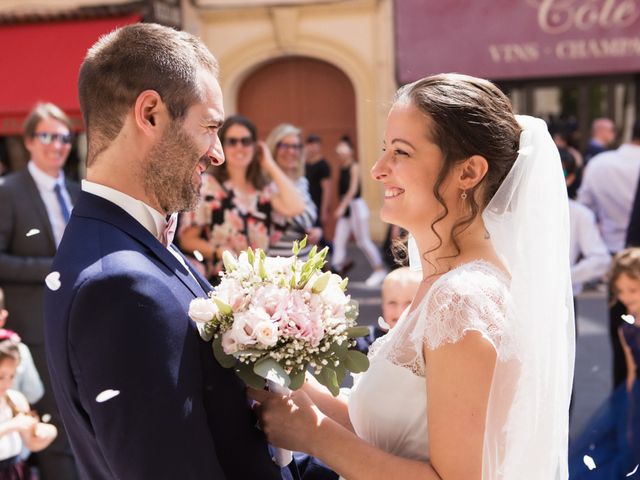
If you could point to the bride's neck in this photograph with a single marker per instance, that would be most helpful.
(440, 256)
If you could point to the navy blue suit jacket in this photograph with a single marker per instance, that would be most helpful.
(119, 322)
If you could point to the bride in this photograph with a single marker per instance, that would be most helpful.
(474, 382)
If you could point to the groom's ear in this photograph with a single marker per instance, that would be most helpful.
(150, 114)
(472, 171)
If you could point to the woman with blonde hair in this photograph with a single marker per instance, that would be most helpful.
(285, 144)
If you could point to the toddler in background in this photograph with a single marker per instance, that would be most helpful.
(612, 436)
(398, 289)
(18, 427)
(27, 380)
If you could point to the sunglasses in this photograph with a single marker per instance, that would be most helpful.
(244, 141)
(47, 138)
(289, 146)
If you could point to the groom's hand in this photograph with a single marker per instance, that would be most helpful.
(288, 421)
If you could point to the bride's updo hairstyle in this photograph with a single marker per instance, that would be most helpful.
(469, 116)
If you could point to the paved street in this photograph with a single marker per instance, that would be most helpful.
(593, 362)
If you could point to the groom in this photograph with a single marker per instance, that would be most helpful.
(140, 394)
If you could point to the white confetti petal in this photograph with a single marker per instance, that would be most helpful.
(633, 472)
(107, 395)
(630, 319)
(198, 255)
(382, 324)
(46, 418)
(32, 232)
(588, 461)
(595, 368)
(52, 281)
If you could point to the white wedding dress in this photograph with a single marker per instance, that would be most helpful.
(388, 403)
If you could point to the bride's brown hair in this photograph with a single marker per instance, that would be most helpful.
(468, 116)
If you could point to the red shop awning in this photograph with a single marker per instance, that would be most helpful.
(40, 62)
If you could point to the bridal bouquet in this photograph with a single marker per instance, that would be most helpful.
(274, 318)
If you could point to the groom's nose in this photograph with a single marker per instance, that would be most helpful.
(216, 153)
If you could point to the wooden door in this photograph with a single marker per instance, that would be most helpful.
(311, 94)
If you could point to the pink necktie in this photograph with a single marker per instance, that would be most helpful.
(166, 236)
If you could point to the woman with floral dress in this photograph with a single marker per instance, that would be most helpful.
(237, 200)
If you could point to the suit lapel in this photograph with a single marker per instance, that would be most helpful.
(92, 206)
(41, 211)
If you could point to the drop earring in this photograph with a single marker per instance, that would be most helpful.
(463, 195)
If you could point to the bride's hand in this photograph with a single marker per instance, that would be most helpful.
(288, 421)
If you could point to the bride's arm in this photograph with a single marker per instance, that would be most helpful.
(458, 387)
(335, 408)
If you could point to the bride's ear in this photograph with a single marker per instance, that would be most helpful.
(472, 171)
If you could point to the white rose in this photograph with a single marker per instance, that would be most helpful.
(266, 333)
(202, 310)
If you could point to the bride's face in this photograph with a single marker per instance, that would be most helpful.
(408, 170)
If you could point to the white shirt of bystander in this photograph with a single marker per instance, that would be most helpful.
(608, 189)
(46, 185)
(589, 255)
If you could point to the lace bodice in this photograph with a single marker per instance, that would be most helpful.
(388, 403)
(473, 296)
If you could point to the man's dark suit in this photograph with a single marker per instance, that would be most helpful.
(24, 264)
(119, 322)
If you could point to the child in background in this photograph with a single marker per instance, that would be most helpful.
(27, 380)
(612, 436)
(398, 289)
(17, 426)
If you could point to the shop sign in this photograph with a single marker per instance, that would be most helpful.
(508, 39)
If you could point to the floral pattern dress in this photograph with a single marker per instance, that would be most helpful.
(232, 220)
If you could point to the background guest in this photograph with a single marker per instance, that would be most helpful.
(318, 175)
(237, 203)
(608, 189)
(35, 205)
(352, 216)
(603, 134)
(285, 144)
(18, 427)
(27, 380)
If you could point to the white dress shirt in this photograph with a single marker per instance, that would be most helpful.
(151, 219)
(588, 253)
(46, 185)
(608, 189)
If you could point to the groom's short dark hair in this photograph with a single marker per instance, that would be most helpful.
(130, 60)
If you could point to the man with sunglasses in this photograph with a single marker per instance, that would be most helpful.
(35, 205)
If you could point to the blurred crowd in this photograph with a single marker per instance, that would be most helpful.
(269, 194)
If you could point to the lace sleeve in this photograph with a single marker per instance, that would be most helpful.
(467, 300)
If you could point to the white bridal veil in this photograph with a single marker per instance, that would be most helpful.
(526, 435)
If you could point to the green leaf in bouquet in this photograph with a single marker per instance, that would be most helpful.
(303, 242)
(227, 361)
(312, 252)
(340, 350)
(205, 331)
(323, 254)
(297, 379)
(321, 282)
(359, 331)
(295, 249)
(343, 284)
(356, 362)
(262, 271)
(248, 376)
(341, 373)
(229, 261)
(327, 377)
(250, 256)
(271, 370)
(224, 307)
